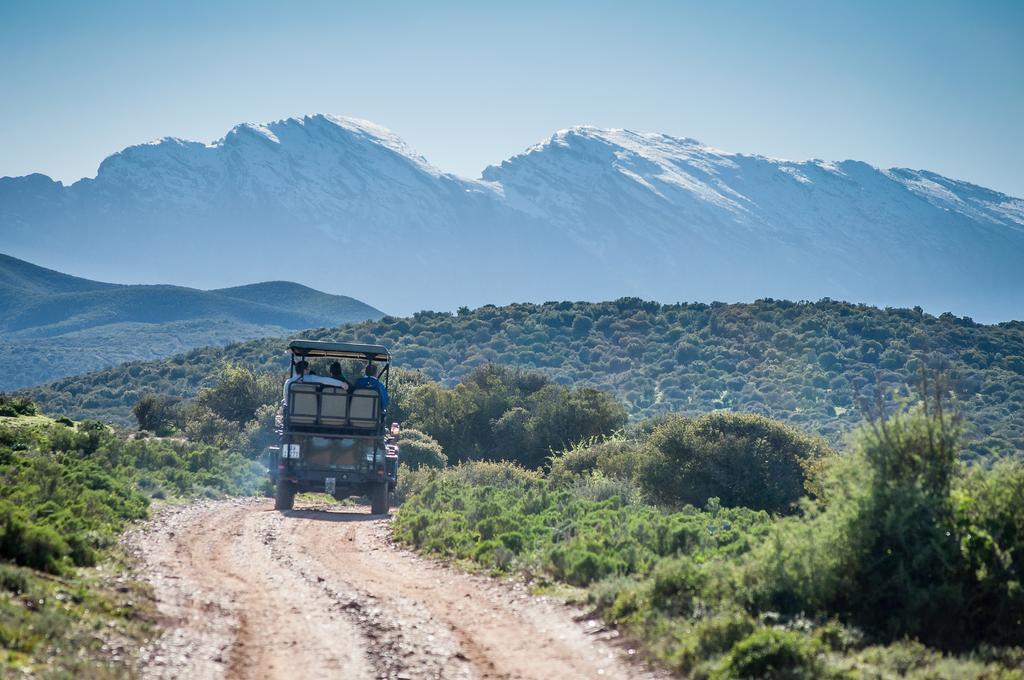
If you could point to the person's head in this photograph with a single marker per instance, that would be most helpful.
(302, 367)
(336, 370)
(371, 370)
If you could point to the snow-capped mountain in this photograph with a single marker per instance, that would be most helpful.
(343, 204)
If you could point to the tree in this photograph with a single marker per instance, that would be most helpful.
(562, 416)
(157, 413)
(238, 392)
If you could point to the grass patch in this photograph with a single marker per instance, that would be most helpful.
(87, 624)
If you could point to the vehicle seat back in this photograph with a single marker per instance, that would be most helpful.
(364, 408)
(333, 401)
(302, 403)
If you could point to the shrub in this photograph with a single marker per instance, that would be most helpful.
(261, 431)
(417, 449)
(615, 457)
(771, 653)
(28, 544)
(411, 481)
(906, 544)
(13, 580)
(988, 513)
(16, 406)
(742, 459)
(204, 425)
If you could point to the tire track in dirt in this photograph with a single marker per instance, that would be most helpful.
(248, 592)
(213, 570)
(501, 630)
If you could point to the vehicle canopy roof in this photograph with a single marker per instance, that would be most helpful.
(343, 350)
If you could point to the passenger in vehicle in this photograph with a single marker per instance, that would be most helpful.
(370, 380)
(301, 368)
(304, 375)
(338, 375)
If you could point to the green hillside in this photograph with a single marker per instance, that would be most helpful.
(809, 364)
(20, 275)
(56, 325)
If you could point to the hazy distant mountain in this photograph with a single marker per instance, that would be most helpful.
(54, 325)
(343, 204)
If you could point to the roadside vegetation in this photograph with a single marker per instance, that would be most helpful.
(895, 559)
(806, 364)
(68, 606)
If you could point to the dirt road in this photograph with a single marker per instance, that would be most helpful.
(247, 592)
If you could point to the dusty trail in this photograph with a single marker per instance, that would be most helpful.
(247, 592)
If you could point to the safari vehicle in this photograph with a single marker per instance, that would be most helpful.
(332, 440)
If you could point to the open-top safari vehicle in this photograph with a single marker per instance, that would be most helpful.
(333, 439)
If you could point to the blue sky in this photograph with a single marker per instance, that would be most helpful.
(936, 85)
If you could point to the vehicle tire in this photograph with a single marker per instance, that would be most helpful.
(380, 500)
(285, 497)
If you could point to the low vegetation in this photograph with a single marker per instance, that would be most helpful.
(898, 561)
(82, 625)
(68, 491)
(807, 364)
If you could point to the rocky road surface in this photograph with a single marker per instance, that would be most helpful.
(244, 591)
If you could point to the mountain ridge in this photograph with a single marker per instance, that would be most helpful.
(588, 213)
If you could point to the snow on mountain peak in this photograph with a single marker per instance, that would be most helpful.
(592, 195)
(245, 129)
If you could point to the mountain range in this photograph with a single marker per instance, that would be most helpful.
(344, 204)
(55, 325)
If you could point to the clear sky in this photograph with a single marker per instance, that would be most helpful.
(929, 84)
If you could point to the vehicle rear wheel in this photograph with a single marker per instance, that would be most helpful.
(380, 500)
(285, 497)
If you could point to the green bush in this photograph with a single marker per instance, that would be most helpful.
(28, 544)
(616, 457)
(740, 458)
(417, 449)
(988, 515)
(907, 544)
(773, 654)
(13, 406)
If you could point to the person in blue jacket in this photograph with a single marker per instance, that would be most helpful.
(370, 380)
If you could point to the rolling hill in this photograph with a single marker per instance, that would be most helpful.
(55, 325)
(588, 213)
(810, 364)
